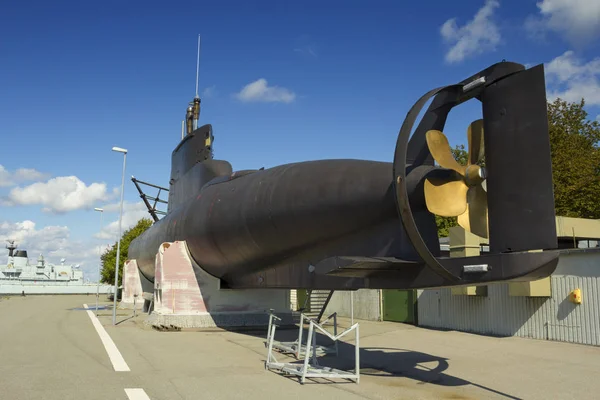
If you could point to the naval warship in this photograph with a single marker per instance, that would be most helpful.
(18, 276)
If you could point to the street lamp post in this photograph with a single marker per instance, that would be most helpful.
(124, 151)
(99, 260)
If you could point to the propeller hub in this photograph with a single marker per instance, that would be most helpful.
(474, 175)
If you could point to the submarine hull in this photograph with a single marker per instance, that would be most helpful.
(240, 225)
(362, 223)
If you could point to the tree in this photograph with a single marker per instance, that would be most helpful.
(575, 160)
(109, 257)
(444, 224)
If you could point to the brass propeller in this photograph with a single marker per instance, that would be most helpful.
(462, 194)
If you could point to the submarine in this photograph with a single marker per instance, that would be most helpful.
(350, 223)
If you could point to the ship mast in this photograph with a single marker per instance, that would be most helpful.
(11, 246)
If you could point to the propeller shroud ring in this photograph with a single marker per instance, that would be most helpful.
(400, 184)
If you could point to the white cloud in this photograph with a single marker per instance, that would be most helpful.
(572, 79)
(8, 178)
(54, 243)
(209, 92)
(29, 174)
(132, 213)
(577, 20)
(260, 91)
(5, 177)
(477, 36)
(25, 232)
(59, 195)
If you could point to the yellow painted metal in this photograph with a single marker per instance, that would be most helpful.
(441, 152)
(575, 296)
(475, 218)
(539, 288)
(446, 198)
(463, 243)
(473, 175)
(469, 291)
(583, 228)
(475, 140)
(463, 194)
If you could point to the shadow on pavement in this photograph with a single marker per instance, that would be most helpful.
(380, 361)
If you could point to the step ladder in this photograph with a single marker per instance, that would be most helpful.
(315, 304)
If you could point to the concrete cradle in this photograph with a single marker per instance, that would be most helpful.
(186, 296)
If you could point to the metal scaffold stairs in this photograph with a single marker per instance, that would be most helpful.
(310, 367)
(315, 304)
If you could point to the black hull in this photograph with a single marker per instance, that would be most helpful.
(352, 223)
(241, 225)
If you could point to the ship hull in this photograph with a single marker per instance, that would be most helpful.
(44, 288)
(241, 225)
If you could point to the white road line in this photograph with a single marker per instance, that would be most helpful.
(136, 394)
(115, 356)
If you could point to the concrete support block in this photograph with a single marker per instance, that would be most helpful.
(132, 286)
(188, 297)
(465, 244)
(470, 291)
(539, 288)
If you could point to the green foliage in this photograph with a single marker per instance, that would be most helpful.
(445, 223)
(460, 154)
(575, 160)
(109, 258)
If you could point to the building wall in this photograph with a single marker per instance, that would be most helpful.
(553, 318)
(366, 304)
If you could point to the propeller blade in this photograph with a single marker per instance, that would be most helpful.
(440, 150)
(475, 218)
(444, 197)
(475, 138)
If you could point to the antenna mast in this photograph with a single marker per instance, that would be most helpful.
(192, 114)
(193, 111)
(197, 66)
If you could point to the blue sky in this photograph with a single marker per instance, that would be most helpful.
(322, 80)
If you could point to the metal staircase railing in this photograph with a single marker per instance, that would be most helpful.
(315, 303)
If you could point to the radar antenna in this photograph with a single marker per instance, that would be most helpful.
(11, 246)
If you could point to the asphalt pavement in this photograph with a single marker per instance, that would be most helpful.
(52, 348)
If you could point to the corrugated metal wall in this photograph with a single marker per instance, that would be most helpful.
(553, 318)
(366, 304)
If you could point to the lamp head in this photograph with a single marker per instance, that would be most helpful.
(120, 150)
(98, 209)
